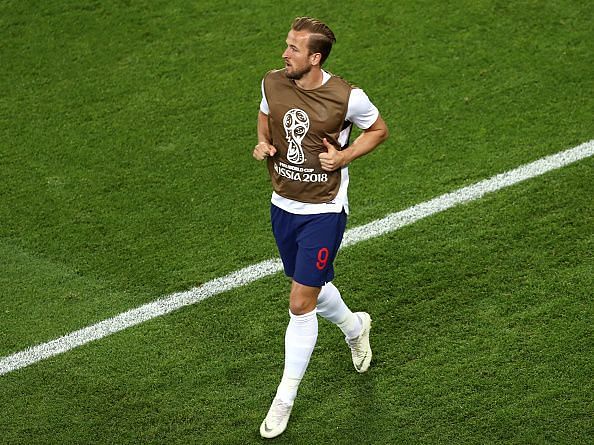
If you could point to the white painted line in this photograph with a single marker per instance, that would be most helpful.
(138, 315)
(245, 276)
(395, 221)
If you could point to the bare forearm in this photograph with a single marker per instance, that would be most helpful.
(263, 130)
(263, 148)
(366, 142)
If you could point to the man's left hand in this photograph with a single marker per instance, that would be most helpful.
(332, 159)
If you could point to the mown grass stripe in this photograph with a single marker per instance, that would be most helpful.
(249, 274)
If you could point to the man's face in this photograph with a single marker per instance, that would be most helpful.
(297, 55)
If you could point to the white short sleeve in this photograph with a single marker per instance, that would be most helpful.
(361, 111)
(264, 103)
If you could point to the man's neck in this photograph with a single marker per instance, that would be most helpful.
(311, 80)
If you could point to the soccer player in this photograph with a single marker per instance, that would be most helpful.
(304, 125)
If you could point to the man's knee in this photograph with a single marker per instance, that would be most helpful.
(303, 299)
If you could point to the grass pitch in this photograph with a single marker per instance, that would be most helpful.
(126, 131)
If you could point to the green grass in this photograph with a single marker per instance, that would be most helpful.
(126, 131)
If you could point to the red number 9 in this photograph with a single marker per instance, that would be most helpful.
(323, 255)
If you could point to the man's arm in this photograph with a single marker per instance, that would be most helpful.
(365, 143)
(264, 148)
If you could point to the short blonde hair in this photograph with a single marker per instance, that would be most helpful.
(321, 39)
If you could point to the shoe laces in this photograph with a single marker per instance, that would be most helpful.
(355, 344)
(278, 411)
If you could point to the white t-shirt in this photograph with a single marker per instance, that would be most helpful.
(363, 114)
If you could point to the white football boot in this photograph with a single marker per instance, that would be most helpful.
(360, 347)
(276, 420)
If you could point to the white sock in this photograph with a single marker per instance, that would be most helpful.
(300, 340)
(333, 308)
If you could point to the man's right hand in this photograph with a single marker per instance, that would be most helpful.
(263, 150)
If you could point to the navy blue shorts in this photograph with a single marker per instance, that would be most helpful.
(308, 244)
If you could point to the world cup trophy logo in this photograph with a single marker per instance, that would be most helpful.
(296, 123)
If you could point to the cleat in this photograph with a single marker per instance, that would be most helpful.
(360, 348)
(276, 420)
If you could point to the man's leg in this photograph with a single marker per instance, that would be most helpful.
(332, 307)
(308, 245)
(355, 326)
(300, 340)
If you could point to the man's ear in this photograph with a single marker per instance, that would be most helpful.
(315, 58)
